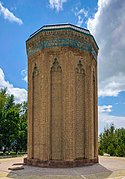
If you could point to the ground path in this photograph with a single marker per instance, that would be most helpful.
(108, 167)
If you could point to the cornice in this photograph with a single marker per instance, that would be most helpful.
(58, 27)
(61, 37)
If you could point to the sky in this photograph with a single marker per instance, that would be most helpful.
(106, 21)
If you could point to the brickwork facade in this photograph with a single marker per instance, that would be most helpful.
(62, 97)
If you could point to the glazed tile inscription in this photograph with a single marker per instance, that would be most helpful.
(61, 42)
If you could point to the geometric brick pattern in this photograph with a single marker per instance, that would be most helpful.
(62, 98)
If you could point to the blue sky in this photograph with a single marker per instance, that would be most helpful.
(106, 21)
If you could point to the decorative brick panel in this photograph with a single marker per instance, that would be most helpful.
(62, 97)
(80, 111)
(56, 112)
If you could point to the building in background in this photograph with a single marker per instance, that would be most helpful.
(62, 97)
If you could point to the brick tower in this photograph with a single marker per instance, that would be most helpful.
(62, 97)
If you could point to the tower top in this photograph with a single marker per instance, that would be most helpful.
(63, 27)
(60, 26)
(63, 35)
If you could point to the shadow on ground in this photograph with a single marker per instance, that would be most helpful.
(96, 171)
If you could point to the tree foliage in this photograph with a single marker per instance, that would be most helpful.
(13, 123)
(112, 141)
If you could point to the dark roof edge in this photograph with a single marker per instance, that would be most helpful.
(78, 29)
(58, 25)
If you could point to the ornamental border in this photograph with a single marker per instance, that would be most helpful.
(62, 42)
(63, 29)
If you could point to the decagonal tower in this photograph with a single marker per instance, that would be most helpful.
(62, 97)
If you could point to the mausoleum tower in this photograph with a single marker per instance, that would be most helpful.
(62, 97)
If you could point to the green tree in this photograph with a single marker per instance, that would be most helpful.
(13, 123)
(111, 150)
(21, 143)
(10, 128)
(112, 141)
(118, 151)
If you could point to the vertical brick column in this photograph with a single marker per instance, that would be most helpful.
(35, 113)
(96, 115)
(80, 112)
(56, 112)
(30, 92)
(90, 111)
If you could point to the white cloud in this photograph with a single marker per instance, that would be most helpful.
(57, 4)
(80, 21)
(19, 94)
(24, 75)
(9, 15)
(105, 108)
(108, 26)
(81, 15)
(83, 12)
(105, 119)
(112, 86)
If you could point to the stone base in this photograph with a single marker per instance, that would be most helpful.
(60, 163)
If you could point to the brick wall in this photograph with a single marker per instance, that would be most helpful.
(62, 104)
